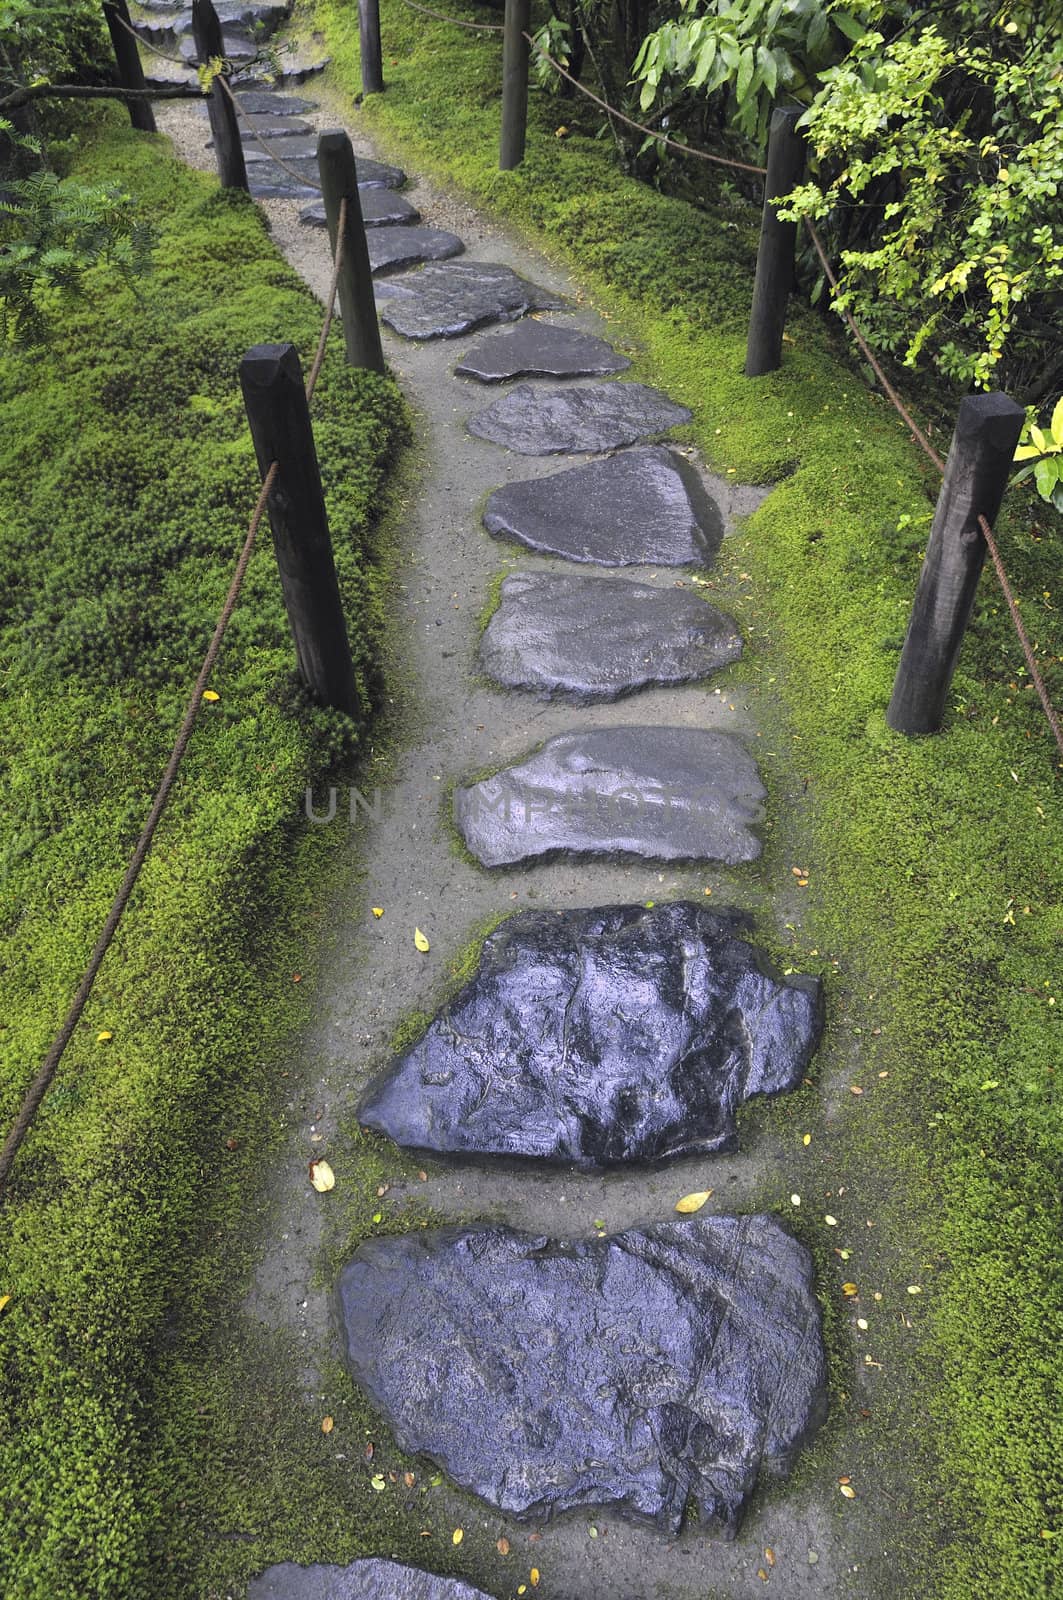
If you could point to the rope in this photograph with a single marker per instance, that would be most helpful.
(932, 455)
(441, 16)
(42, 1082)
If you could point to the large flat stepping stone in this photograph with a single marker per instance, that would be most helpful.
(645, 506)
(539, 350)
(597, 638)
(446, 300)
(235, 47)
(362, 1580)
(269, 182)
(392, 249)
(286, 149)
(665, 794)
(269, 128)
(661, 1368)
(261, 102)
(593, 417)
(598, 1038)
(381, 208)
(242, 15)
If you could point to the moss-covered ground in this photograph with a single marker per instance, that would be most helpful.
(933, 896)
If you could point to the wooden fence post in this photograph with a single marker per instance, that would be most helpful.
(775, 256)
(279, 416)
(369, 46)
(339, 180)
(127, 57)
(228, 148)
(976, 474)
(515, 50)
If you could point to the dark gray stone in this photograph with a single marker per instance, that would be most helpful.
(235, 16)
(446, 300)
(260, 102)
(392, 249)
(269, 128)
(362, 1580)
(666, 794)
(371, 174)
(645, 506)
(381, 208)
(539, 350)
(663, 1367)
(294, 74)
(576, 421)
(598, 638)
(269, 182)
(597, 1038)
(293, 149)
(236, 47)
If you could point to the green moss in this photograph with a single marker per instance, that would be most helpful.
(127, 479)
(935, 863)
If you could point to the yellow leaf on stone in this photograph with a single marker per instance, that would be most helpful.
(420, 941)
(211, 695)
(378, 911)
(457, 1536)
(322, 1176)
(693, 1202)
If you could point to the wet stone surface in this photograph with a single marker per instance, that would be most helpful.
(446, 300)
(539, 350)
(286, 149)
(236, 46)
(601, 1037)
(392, 249)
(371, 174)
(232, 14)
(643, 507)
(576, 421)
(260, 102)
(381, 208)
(269, 128)
(269, 182)
(663, 1366)
(665, 794)
(362, 1580)
(597, 638)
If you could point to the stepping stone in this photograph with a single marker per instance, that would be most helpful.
(596, 416)
(392, 249)
(284, 75)
(665, 794)
(666, 1366)
(288, 149)
(446, 300)
(597, 638)
(270, 128)
(598, 1038)
(539, 350)
(267, 181)
(381, 208)
(261, 102)
(362, 1580)
(235, 47)
(646, 506)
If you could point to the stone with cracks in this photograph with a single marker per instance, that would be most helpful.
(556, 633)
(293, 149)
(576, 421)
(598, 1038)
(371, 174)
(381, 208)
(362, 1580)
(665, 1367)
(665, 794)
(447, 299)
(268, 182)
(539, 350)
(392, 249)
(645, 506)
(268, 128)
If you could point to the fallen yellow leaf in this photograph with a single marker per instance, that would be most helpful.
(832, 1222)
(849, 1290)
(848, 1491)
(420, 941)
(100, 1037)
(457, 1536)
(693, 1202)
(914, 1288)
(322, 1176)
(502, 1547)
(534, 1576)
(378, 911)
(327, 1424)
(5, 1301)
(211, 695)
(806, 1138)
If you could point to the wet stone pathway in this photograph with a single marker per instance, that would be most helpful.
(671, 1364)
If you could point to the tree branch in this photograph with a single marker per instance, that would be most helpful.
(77, 91)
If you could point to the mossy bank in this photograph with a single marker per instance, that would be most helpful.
(127, 480)
(935, 874)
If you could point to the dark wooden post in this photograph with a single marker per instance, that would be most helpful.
(206, 30)
(369, 46)
(775, 257)
(275, 399)
(515, 50)
(339, 179)
(127, 57)
(983, 447)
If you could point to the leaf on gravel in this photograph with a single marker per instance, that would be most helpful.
(457, 1536)
(327, 1424)
(850, 1291)
(420, 941)
(502, 1547)
(378, 1482)
(378, 911)
(534, 1576)
(848, 1491)
(322, 1176)
(693, 1202)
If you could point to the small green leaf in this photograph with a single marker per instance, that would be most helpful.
(1045, 475)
